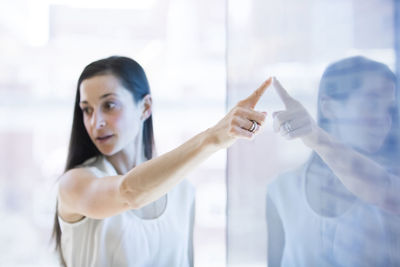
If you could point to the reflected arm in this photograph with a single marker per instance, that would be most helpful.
(362, 176)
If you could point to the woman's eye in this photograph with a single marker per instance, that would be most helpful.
(85, 110)
(110, 105)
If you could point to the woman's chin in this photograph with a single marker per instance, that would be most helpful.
(107, 151)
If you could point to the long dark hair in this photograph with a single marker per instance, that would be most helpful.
(344, 78)
(81, 148)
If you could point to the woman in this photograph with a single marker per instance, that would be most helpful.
(118, 205)
(335, 210)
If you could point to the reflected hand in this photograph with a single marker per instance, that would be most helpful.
(295, 121)
(242, 121)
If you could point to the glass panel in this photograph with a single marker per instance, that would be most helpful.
(328, 196)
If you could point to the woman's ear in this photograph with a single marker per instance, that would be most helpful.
(147, 103)
(328, 107)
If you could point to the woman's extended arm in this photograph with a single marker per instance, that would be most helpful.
(152, 179)
(362, 176)
(82, 194)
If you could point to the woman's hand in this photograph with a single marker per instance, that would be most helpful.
(295, 121)
(241, 122)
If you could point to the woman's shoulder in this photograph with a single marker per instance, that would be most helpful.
(79, 172)
(75, 176)
(74, 179)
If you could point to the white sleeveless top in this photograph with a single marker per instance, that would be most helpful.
(358, 237)
(129, 241)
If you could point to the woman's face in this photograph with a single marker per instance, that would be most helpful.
(364, 119)
(111, 117)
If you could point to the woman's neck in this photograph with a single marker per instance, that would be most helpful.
(126, 159)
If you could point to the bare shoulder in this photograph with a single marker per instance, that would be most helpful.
(89, 192)
(74, 179)
(72, 184)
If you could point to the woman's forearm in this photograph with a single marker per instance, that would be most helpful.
(362, 176)
(359, 174)
(154, 178)
(151, 180)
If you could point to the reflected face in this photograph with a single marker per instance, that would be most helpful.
(364, 119)
(110, 116)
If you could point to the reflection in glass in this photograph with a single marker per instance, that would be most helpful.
(341, 207)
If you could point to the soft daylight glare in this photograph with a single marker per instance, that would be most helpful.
(44, 47)
(323, 170)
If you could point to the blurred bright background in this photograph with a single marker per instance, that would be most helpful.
(44, 45)
(201, 57)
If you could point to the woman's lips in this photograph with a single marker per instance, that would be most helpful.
(104, 138)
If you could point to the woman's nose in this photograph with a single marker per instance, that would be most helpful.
(98, 121)
(101, 123)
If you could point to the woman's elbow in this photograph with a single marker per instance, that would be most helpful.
(129, 196)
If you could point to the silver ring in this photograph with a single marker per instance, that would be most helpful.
(287, 127)
(253, 127)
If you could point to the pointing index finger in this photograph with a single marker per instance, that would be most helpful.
(251, 101)
(283, 94)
